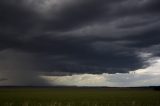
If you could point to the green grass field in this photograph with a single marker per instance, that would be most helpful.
(78, 97)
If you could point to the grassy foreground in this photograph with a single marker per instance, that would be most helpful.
(78, 97)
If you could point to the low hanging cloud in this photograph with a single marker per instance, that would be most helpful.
(72, 37)
(142, 77)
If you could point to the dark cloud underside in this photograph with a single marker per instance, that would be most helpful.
(80, 36)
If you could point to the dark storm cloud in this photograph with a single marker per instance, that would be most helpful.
(146, 39)
(16, 18)
(80, 13)
(83, 36)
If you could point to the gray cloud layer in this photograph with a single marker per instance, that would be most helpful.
(79, 36)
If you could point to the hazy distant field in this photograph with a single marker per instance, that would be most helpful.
(78, 97)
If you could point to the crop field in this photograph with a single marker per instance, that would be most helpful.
(78, 97)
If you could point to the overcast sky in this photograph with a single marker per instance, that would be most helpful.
(80, 42)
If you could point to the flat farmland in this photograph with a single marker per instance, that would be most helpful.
(74, 96)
